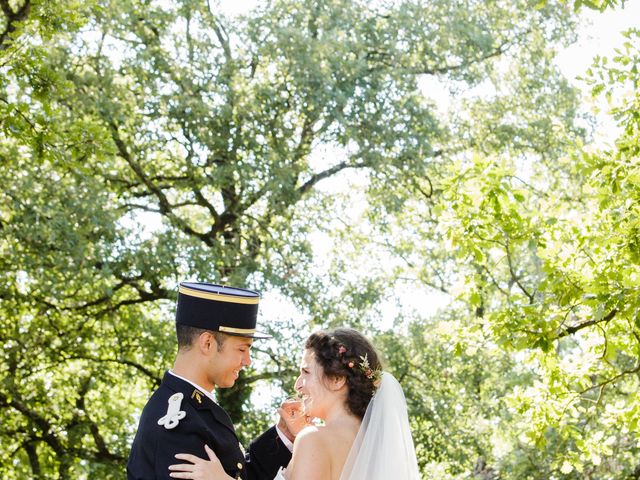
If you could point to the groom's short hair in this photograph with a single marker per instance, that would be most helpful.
(187, 335)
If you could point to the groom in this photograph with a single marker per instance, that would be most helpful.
(215, 327)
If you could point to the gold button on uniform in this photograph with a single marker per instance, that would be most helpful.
(239, 466)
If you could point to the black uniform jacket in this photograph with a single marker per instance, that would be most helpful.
(205, 422)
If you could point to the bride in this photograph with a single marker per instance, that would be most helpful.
(365, 433)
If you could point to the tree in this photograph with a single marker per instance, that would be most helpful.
(147, 142)
(540, 239)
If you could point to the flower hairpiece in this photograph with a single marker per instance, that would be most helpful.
(370, 373)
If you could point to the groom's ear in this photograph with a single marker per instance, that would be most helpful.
(206, 342)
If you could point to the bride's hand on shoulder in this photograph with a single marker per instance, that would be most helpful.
(199, 468)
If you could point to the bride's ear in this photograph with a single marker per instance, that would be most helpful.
(337, 382)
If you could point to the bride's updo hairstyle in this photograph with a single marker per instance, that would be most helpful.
(344, 352)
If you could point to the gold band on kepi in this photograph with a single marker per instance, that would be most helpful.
(220, 297)
(231, 310)
(237, 331)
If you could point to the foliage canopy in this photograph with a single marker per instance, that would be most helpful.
(144, 142)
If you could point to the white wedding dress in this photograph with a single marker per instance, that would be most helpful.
(383, 448)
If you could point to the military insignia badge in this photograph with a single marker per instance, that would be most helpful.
(197, 394)
(174, 414)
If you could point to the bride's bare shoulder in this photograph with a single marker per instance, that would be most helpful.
(311, 457)
(327, 436)
(312, 435)
(313, 441)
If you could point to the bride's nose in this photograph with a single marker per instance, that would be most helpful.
(297, 385)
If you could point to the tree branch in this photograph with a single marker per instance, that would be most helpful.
(309, 184)
(103, 452)
(12, 19)
(122, 361)
(499, 50)
(34, 417)
(202, 201)
(611, 380)
(24, 117)
(165, 207)
(514, 276)
(571, 330)
(30, 448)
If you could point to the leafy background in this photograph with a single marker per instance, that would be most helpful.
(349, 159)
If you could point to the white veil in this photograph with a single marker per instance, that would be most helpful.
(383, 448)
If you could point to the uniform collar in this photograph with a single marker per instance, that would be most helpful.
(203, 390)
(198, 397)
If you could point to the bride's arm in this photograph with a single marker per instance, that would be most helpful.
(199, 468)
(311, 460)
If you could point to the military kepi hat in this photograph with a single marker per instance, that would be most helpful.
(230, 310)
